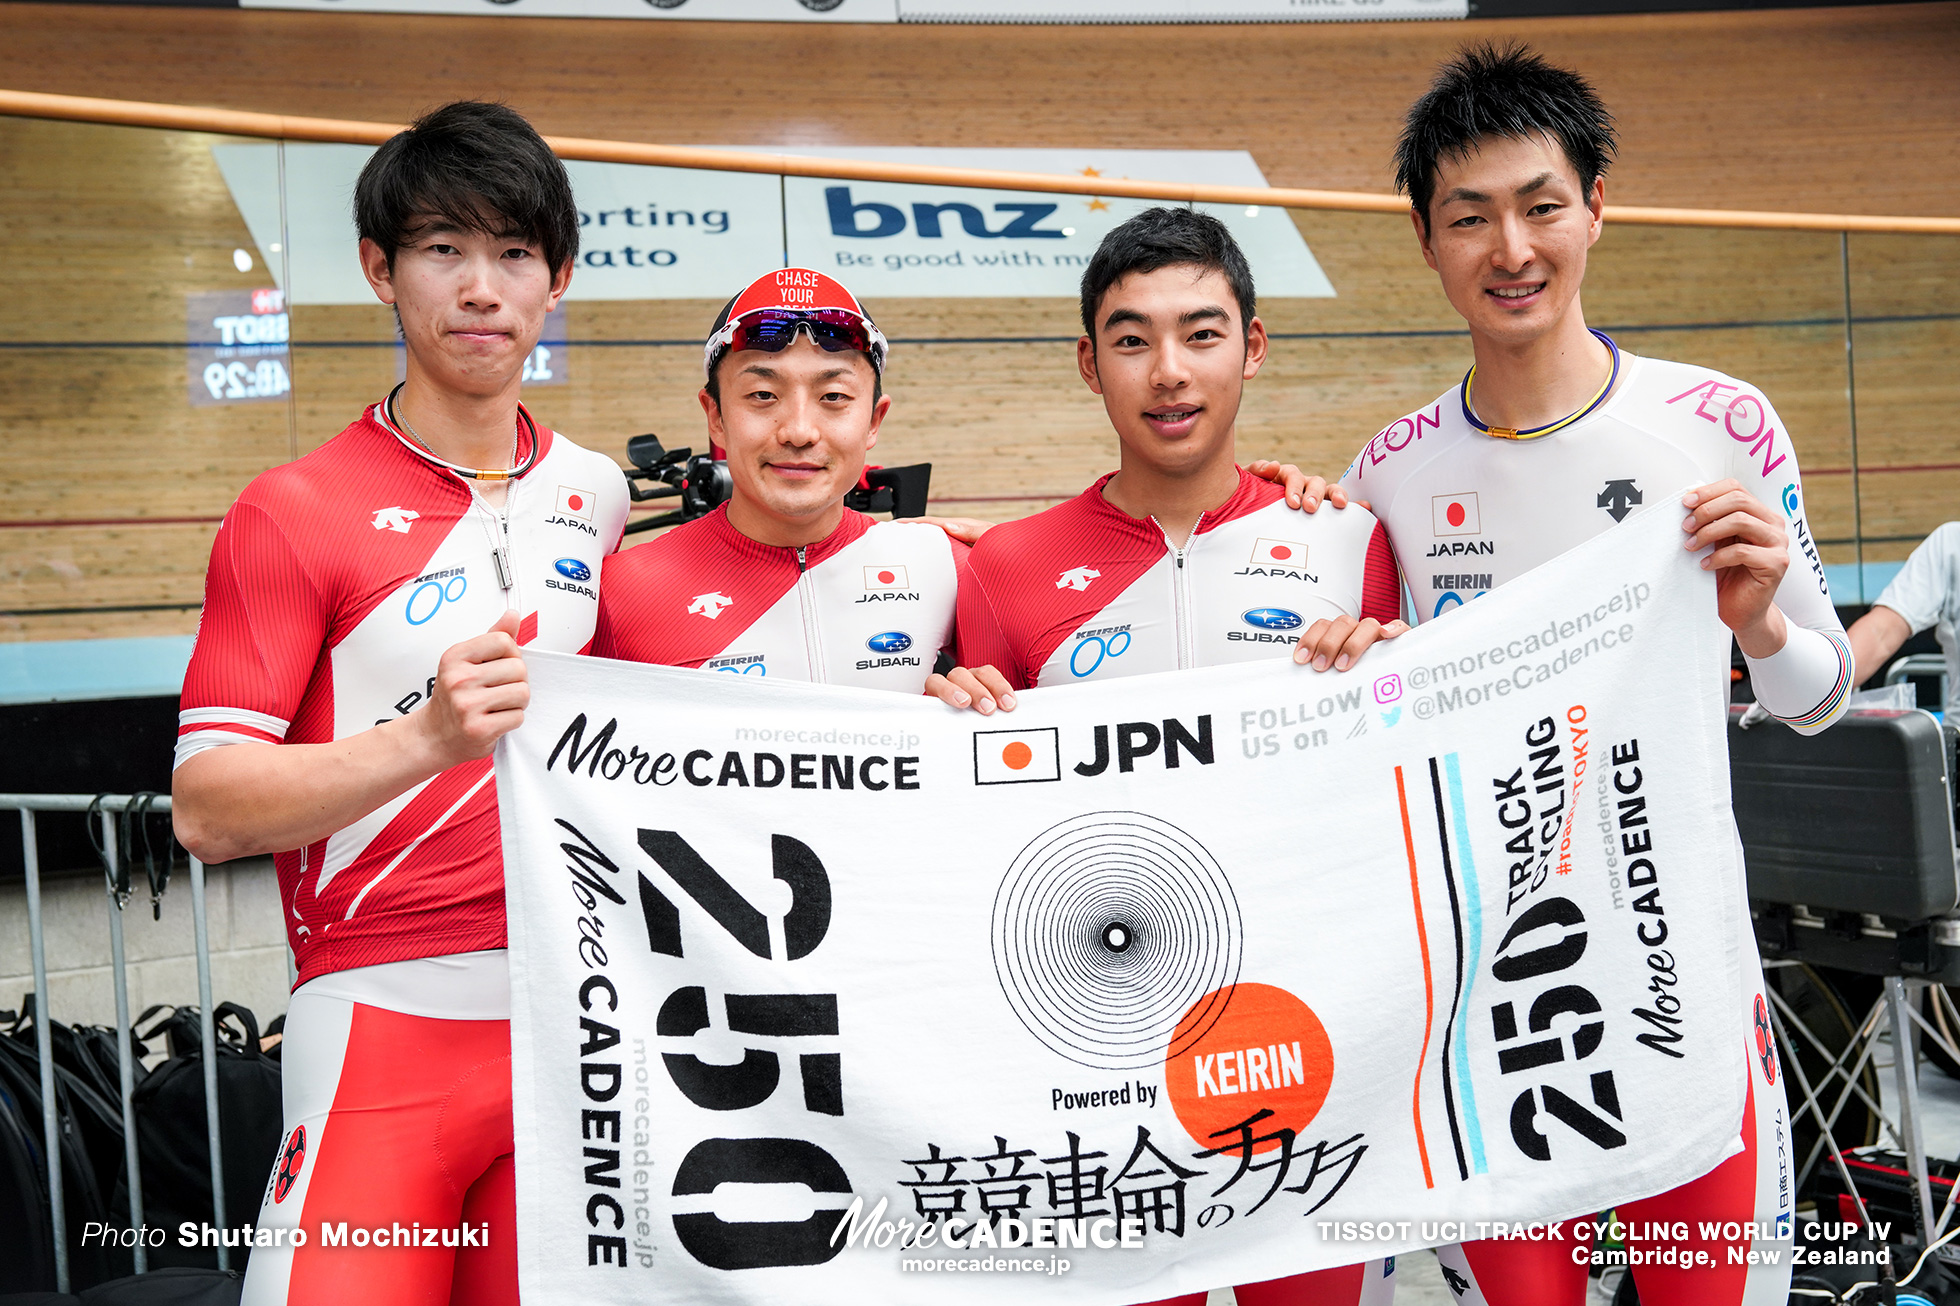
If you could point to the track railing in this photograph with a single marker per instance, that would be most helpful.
(103, 809)
(235, 122)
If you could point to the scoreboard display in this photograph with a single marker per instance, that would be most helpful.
(239, 347)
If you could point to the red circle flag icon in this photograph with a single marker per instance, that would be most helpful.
(1455, 514)
(1287, 553)
(1012, 757)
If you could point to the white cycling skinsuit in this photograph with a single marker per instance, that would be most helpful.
(1467, 512)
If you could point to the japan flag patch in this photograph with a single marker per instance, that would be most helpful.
(1456, 514)
(886, 578)
(1278, 553)
(575, 503)
(1014, 757)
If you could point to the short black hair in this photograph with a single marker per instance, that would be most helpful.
(713, 384)
(1165, 238)
(479, 166)
(1507, 91)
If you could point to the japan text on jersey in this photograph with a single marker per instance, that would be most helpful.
(336, 583)
(1086, 591)
(871, 604)
(1467, 512)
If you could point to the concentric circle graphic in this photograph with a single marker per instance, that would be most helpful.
(1110, 930)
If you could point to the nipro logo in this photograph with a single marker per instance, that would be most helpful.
(573, 569)
(1272, 619)
(891, 641)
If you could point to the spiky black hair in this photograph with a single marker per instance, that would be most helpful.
(1489, 90)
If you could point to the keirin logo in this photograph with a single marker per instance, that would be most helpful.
(1095, 648)
(291, 1161)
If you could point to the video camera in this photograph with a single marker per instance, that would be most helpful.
(701, 482)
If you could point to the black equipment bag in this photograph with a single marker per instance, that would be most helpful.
(26, 1240)
(173, 1141)
(89, 1098)
(79, 1113)
(162, 1288)
(173, 1287)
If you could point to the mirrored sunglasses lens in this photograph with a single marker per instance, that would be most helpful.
(837, 336)
(773, 332)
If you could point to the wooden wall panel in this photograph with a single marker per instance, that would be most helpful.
(1850, 108)
(111, 228)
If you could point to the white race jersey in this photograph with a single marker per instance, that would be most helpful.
(1467, 511)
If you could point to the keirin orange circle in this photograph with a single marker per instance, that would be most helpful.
(1267, 1051)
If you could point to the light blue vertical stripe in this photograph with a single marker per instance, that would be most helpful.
(1474, 922)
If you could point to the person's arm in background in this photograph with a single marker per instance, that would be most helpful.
(1920, 596)
(1302, 491)
(1875, 637)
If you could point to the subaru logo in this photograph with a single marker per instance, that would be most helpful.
(573, 569)
(1272, 619)
(892, 641)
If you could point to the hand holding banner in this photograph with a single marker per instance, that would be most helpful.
(1193, 973)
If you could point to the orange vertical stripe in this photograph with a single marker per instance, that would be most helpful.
(1428, 985)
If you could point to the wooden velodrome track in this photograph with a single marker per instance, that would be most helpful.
(115, 483)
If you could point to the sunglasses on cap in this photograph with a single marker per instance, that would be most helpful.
(772, 330)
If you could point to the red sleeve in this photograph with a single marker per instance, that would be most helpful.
(258, 642)
(603, 643)
(978, 633)
(1381, 584)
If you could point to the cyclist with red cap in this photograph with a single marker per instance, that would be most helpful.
(784, 580)
(357, 660)
(1181, 558)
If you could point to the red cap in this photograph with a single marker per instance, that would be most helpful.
(798, 288)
